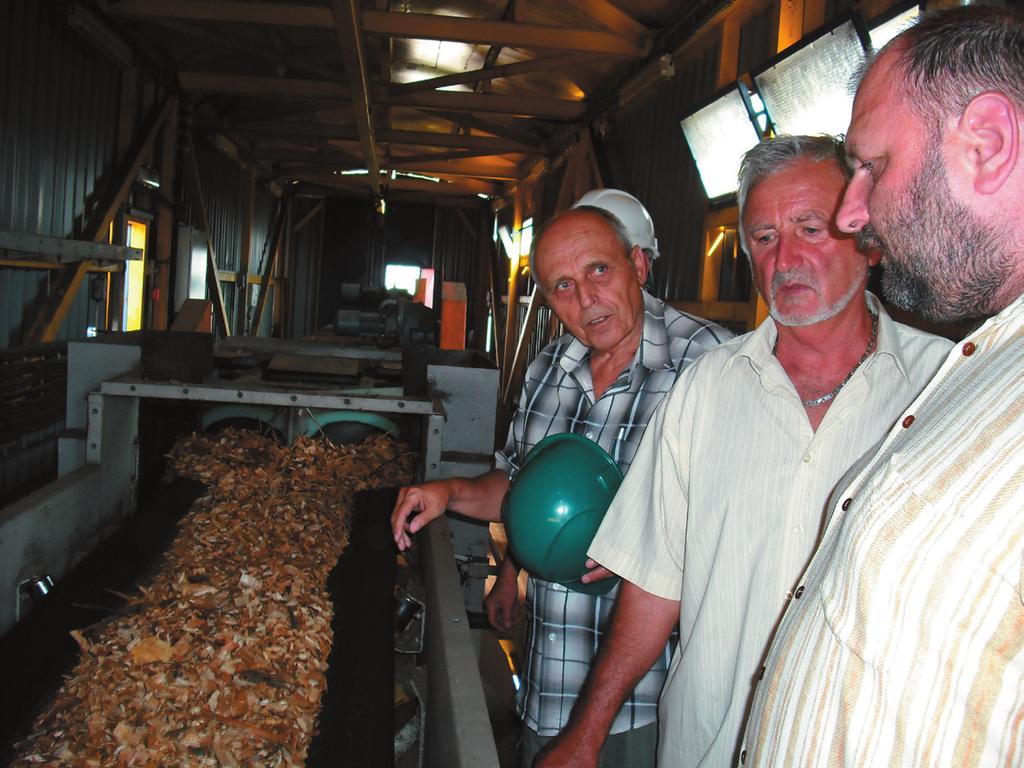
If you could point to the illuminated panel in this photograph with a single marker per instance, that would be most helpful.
(718, 135)
(808, 92)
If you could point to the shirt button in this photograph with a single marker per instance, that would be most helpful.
(552, 637)
(743, 757)
(798, 530)
(807, 458)
(908, 421)
(789, 594)
(798, 593)
(846, 504)
(968, 348)
(590, 435)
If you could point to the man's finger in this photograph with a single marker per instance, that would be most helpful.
(595, 574)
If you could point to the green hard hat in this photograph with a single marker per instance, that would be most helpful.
(555, 505)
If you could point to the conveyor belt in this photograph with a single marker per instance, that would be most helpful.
(356, 716)
(38, 650)
(355, 725)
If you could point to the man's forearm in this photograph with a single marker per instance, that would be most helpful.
(479, 497)
(641, 625)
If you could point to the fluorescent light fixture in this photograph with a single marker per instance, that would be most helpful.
(718, 135)
(511, 250)
(412, 175)
(354, 172)
(881, 34)
(526, 238)
(149, 177)
(808, 91)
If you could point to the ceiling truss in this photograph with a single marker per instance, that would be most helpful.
(310, 89)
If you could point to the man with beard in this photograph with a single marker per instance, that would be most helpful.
(907, 645)
(722, 508)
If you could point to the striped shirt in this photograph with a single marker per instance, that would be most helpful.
(906, 646)
(724, 505)
(558, 396)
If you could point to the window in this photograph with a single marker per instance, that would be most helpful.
(134, 278)
(807, 89)
(401, 276)
(887, 30)
(718, 134)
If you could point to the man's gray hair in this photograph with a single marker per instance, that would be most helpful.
(772, 156)
(951, 56)
(618, 228)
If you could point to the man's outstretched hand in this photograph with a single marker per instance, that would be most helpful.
(428, 500)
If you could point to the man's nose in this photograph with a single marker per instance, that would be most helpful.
(586, 294)
(787, 253)
(853, 215)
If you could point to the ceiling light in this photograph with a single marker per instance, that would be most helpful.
(718, 135)
(882, 33)
(807, 90)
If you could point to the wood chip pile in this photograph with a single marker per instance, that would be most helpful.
(220, 660)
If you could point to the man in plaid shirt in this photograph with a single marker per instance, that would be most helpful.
(603, 379)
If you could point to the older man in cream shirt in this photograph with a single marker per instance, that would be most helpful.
(723, 505)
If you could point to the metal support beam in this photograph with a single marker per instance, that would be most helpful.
(612, 18)
(162, 250)
(388, 136)
(259, 395)
(522, 347)
(211, 256)
(244, 258)
(412, 25)
(523, 106)
(335, 93)
(504, 33)
(268, 272)
(512, 310)
(348, 27)
(52, 311)
(479, 169)
(459, 187)
(63, 251)
(222, 40)
(265, 87)
(543, 63)
(514, 129)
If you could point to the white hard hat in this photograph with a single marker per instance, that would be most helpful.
(629, 211)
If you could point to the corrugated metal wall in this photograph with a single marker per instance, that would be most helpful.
(59, 102)
(59, 105)
(647, 156)
(305, 269)
(456, 254)
(223, 182)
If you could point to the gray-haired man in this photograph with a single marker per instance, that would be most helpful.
(721, 510)
(907, 649)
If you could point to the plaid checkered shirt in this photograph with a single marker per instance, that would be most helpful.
(558, 396)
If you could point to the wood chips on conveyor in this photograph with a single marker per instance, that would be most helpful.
(220, 659)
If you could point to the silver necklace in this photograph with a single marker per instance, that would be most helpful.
(830, 395)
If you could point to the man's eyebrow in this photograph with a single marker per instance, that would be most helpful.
(813, 214)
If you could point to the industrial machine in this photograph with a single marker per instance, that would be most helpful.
(443, 401)
(388, 317)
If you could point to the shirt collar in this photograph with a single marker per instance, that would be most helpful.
(888, 337)
(758, 346)
(653, 352)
